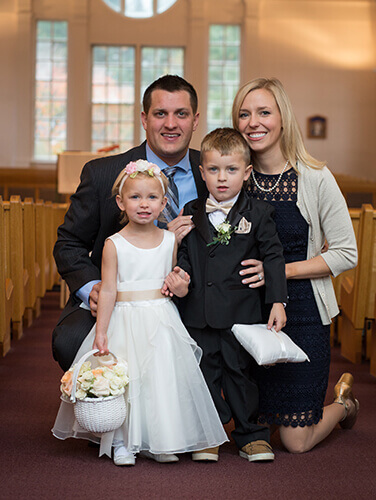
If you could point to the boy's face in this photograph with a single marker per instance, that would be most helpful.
(224, 175)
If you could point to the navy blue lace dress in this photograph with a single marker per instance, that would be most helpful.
(293, 393)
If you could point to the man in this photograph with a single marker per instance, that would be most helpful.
(169, 118)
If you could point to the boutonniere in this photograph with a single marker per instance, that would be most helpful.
(224, 232)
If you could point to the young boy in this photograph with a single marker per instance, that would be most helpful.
(211, 254)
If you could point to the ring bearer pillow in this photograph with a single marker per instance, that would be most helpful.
(268, 347)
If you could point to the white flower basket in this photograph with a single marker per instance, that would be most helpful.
(98, 415)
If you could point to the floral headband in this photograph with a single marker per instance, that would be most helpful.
(134, 167)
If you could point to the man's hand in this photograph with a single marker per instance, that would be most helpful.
(256, 270)
(180, 226)
(93, 298)
(176, 283)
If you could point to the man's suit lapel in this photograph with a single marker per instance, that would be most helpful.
(139, 153)
(194, 158)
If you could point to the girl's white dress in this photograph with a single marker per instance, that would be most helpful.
(170, 409)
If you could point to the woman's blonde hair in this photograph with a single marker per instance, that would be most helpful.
(291, 141)
(119, 181)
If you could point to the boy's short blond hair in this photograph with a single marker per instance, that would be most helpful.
(226, 141)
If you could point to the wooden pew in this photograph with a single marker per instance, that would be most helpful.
(48, 217)
(29, 181)
(27, 235)
(6, 285)
(32, 302)
(356, 190)
(50, 241)
(58, 213)
(335, 328)
(358, 291)
(41, 254)
(372, 368)
(19, 274)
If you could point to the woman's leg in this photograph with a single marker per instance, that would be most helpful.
(343, 410)
(302, 439)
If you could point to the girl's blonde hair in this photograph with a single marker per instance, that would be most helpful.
(120, 181)
(291, 141)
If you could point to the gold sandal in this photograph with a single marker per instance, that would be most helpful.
(343, 395)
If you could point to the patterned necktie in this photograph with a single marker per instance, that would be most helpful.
(172, 208)
(213, 206)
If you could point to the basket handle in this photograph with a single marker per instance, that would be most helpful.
(76, 372)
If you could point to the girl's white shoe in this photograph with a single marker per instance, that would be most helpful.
(163, 458)
(123, 457)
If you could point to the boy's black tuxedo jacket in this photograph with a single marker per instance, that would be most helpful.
(217, 297)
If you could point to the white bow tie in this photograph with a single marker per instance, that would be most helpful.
(213, 206)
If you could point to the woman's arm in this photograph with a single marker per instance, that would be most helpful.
(107, 296)
(312, 268)
(335, 225)
(305, 269)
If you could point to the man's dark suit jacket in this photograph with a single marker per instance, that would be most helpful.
(217, 298)
(92, 217)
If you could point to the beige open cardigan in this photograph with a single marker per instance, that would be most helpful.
(322, 205)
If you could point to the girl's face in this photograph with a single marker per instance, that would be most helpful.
(142, 199)
(260, 121)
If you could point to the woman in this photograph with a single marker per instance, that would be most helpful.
(309, 209)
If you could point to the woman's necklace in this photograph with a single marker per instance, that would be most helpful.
(275, 185)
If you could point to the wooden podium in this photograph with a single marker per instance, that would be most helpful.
(69, 166)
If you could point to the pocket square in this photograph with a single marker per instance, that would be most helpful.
(244, 227)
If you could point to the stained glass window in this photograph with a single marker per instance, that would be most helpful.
(50, 124)
(224, 73)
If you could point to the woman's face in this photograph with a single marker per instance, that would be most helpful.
(260, 122)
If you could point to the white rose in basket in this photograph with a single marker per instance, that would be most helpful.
(101, 388)
(121, 369)
(116, 386)
(86, 381)
(80, 394)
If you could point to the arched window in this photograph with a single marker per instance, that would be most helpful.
(140, 8)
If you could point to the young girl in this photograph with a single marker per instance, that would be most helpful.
(170, 409)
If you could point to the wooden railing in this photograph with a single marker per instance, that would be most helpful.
(357, 191)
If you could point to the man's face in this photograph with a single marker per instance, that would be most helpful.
(169, 124)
